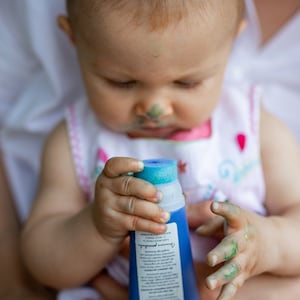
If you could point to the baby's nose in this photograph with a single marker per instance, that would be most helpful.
(154, 111)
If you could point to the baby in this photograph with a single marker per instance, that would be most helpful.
(153, 72)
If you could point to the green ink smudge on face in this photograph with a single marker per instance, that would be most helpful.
(155, 111)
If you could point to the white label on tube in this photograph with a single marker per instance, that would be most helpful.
(159, 265)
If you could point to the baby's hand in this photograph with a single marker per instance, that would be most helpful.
(124, 203)
(237, 253)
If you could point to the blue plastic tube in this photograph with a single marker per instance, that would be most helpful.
(161, 266)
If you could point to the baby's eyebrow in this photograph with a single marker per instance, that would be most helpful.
(110, 72)
(200, 74)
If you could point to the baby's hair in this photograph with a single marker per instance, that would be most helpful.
(160, 13)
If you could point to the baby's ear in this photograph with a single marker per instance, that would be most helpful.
(64, 24)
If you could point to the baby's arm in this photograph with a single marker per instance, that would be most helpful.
(67, 240)
(253, 244)
(281, 163)
(9, 236)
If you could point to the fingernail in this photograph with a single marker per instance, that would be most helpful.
(162, 228)
(215, 205)
(159, 196)
(200, 229)
(211, 283)
(140, 165)
(164, 216)
(213, 260)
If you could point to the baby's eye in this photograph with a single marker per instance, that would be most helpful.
(122, 84)
(186, 84)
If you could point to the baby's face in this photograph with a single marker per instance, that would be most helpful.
(154, 83)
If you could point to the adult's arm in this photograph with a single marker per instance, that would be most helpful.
(15, 282)
(16, 64)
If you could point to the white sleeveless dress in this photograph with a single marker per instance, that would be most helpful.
(219, 160)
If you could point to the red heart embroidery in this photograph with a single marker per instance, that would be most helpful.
(241, 140)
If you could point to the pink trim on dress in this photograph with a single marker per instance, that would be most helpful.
(203, 131)
(77, 150)
(254, 100)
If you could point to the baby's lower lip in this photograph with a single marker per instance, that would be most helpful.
(156, 132)
(157, 129)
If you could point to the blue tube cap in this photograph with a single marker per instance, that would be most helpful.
(159, 171)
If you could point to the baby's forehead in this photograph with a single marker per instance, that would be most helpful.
(156, 13)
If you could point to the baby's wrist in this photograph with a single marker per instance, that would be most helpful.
(268, 254)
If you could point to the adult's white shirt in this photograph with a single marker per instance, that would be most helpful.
(276, 66)
(38, 77)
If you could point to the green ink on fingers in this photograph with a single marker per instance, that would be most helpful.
(155, 112)
(229, 290)
(233, 250)
(246, 233)
(231, 271)
(227, 249)
(225, 274)
(249, 232)
(233, 209)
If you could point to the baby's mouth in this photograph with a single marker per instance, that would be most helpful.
(144, 127)
(153, 131)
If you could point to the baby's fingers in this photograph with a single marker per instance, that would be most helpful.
(135, 223)
(230, 276)
(228, 248)
(211, 227)
(229, 289)
(143, 209)
(127, 185)
(117, 166)
(232, 213)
